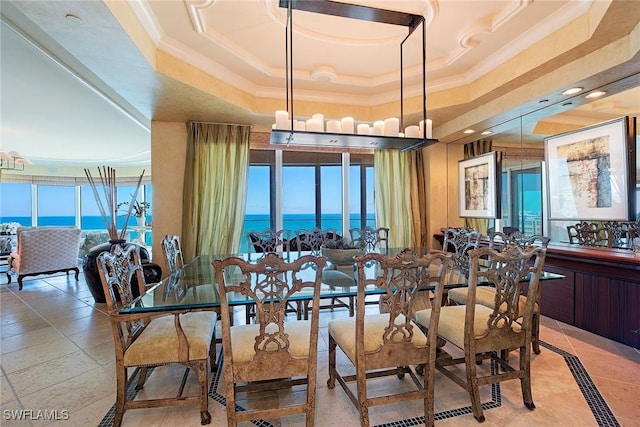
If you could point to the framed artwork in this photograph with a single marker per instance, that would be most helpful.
(478, 187)
(588, 172)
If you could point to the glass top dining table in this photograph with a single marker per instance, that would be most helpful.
(194, 286)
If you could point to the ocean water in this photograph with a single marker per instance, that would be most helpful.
(291, 222)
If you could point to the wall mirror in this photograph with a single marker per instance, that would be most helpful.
(521, 142)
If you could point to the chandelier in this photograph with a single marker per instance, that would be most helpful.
(389, 133)
(12, 160)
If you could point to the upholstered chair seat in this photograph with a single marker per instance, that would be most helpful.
(451, 326)
(343, 330)
(158, 345)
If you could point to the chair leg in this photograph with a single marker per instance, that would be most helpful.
(200, 367)
(535, 333)
(472, 384)
(525, 381)
(361, 386)
(121, 394)
(331, 382)
(142, 377)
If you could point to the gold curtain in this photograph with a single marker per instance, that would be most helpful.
(215, 185)
(473, 149)
(398, 204)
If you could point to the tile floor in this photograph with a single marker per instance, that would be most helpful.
(57, 356)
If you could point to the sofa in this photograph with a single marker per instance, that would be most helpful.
(45, 250)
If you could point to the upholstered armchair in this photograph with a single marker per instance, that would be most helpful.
(45, 250)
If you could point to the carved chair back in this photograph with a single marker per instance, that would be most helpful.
(586, 234)
(268, 240)
(499, 241)
(460, 241)
(370, 239)
(172, 252)
(312, 240)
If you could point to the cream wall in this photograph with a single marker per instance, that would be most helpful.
(442, 195)
(168, 155)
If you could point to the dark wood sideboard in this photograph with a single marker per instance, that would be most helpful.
(600, 292)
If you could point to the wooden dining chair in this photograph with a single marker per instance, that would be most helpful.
(486, 295)
(632, 233)
(488, 332)
(150, 340)
(389, 343)
(172, 251)
(586, 234)
(312, 240)
(268, 240)
(370, 239)
(459, 241)
(274, 353)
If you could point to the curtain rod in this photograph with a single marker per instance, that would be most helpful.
(217, 123)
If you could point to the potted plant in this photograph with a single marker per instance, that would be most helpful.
(340, 251)
(138, 210)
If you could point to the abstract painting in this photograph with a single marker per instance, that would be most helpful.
(477, 190)
(587, 173)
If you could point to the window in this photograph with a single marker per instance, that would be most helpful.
(526, 199)
(15, 203)
(312, 194)
(56, 205)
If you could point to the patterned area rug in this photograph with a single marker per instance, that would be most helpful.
(599, 407)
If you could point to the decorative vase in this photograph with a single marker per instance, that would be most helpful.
(152, 272)
(142, 221)
(339, 257)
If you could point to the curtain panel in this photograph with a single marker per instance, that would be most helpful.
(395, 204)
(215, 185)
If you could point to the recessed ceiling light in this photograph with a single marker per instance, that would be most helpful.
(73, 18)
(486, 132)
(469, 131)
(573, 91)
(596, 94)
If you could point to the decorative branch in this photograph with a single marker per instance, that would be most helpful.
(108, 212)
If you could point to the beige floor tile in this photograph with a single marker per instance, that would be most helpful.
(29, 339)
(92, 337)
(37, 354)
(6, 391)
(18, 328)
(74, 393)
(87, 415)
(50, 373)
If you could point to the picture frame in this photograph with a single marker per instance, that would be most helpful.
(588, 172)
(478, 187)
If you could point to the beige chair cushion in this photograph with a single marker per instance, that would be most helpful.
(158, 343)
(485, 295)
(344, 332)
(243, 339)
(451, 322)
